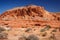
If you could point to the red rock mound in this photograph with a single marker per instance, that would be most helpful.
(29, 16)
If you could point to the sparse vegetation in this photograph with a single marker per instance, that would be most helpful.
(42, 30)
(28, 29)
(1, 29)
(22, 38)
(46, 28)
(3, 35)
(32, 37)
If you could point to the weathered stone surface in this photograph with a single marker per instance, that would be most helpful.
(29, 20)
(29, 16)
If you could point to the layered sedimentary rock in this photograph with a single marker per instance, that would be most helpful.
(31, 15)
(29, 23)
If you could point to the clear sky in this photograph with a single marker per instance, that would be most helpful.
(50, 5)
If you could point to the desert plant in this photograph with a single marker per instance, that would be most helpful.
(22, 38)
(28, 29)
(1, 29)
(42, 30)
(3, 35)
(32, 37)
(46, 28)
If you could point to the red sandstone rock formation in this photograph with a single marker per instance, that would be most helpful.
(29, 16)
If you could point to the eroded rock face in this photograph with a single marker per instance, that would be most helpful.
(31, 15)
(29, 23)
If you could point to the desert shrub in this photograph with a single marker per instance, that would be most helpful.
(22, 38)
(46, 28)
(28, 29)
(1, 29)
(42, 30)
(3, 35)
(32, 37)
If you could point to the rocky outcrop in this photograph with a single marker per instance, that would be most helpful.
(31, 15)
(29, 23)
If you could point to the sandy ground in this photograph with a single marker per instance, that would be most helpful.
(32, 34)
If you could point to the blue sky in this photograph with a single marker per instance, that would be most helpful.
(50, 5)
